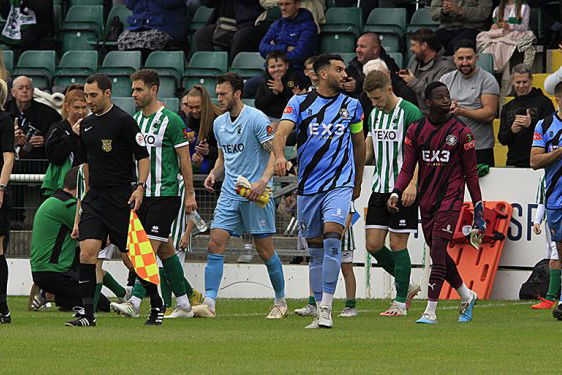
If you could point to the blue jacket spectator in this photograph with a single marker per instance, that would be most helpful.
(168, 16)
(295, 33)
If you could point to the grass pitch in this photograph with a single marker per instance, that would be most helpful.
(505, 337)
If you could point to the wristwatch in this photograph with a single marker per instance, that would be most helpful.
(141, 184)
(3, 187)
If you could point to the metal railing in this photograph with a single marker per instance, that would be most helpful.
(25, 190)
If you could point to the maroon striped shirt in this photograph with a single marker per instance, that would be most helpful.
(446, 156)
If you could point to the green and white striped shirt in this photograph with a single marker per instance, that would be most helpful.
(163, 131)
(388, 130)
(178, 226)
(541, 190)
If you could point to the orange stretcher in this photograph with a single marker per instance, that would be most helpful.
(478, 267)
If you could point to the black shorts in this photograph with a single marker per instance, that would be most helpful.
(378, 216)
(106, 213)
(5, 214)
(157, 214)
(64, 285)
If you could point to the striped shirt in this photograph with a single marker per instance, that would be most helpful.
(163, 132)
(388, 130)
(179, 225)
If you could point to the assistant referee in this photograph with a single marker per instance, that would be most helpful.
(112, 142)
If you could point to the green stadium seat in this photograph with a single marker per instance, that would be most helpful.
(389, 23)
(200, 18)
(8, 57)
(347, 57)
(250, 102)
(127, 104)
(82, 25)
(169, 65)
(86, 2)
(336, 43)
(398, 57)
(248, 64)
(173, 104)
(209, 83)
(119, 65)
(207, 63)
(390, 43)
(120, 11)
(421, 19)
(75, 67)
(343, 20)
(486, 62)
(37, 65)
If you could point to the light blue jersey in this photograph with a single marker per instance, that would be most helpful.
(548, 134)
(241, 143)
(324, 126)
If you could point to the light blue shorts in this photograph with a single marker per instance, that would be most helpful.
(554, 220)
(238, 217)
(315, 210)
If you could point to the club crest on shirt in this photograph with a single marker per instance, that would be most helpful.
(106, 145)
(239, 130)
(344, 113)
(451, 140)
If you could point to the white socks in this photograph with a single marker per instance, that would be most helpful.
(465, 293)
(136, 302)
(183, 302)
(210, 302)
(431, 308)
(327, 300)
(280, 301)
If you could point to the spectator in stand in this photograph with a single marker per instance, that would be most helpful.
(232, 26)
(399, 87)
(295, 34)
(369, 48)
(310, 73)
(280, 84)
(4, 73)
(474, 94)
(154, 24)
(63, 146)
(316, 7)
(198, 114)
(33, 120)
(429, 64)
(552, 80)
(460, 19)
(27, 22)
(519, 117)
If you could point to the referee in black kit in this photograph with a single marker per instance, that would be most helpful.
(112, 140)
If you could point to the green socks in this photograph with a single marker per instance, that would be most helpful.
(402, 270)
(350, 303)
(385, 259)
(174, 273)
(113, 285)
(553, 285)
(138, 290)
(311, 301)
(165, 288)
(97, 296)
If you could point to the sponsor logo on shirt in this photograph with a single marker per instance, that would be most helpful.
(537, 136)
(447, 229)
(269, 130)
(436, 157)
(384, 135)
(344, 113)
(407, 141)
(233, 149)
(288, 110)
(139, 138)
(469, 145)
(106, 145)
(325, 130)
(451, 140)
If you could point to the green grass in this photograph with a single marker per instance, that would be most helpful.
(505, 337)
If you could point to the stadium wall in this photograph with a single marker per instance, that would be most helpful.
(522, 250)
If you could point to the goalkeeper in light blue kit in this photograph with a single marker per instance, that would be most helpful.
(331, 158)
(244, 136)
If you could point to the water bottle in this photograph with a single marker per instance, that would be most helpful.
(198, 221)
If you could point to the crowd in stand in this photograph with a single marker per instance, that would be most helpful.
(288, 43)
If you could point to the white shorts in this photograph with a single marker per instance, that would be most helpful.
(107, 252)
(551, 250)
(347, 256)
(180, 254)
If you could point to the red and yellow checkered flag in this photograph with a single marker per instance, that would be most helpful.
(140, 251)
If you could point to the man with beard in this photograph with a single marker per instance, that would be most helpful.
(244, 135)
(428, 65)
(475, 94)
(331, 154)
(442, 148)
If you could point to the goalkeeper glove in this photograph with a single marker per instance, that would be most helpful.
(478, 225)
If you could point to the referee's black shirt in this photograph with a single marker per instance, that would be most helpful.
(112, 141)
(6, 136)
